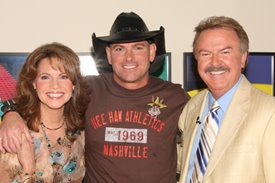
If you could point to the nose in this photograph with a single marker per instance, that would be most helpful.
(129, 55)
(215, 59)
(55, 83)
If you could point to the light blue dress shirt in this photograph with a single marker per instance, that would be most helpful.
(224, 102)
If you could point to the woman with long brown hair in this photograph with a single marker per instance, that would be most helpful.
(52, 99)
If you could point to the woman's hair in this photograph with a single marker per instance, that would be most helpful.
(222, 22)
(28, 103)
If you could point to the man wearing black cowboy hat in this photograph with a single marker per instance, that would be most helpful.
(133, 116)
(128, 27)
(131, 121)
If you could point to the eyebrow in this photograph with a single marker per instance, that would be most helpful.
(226, 48)
(204, 50)
(115, 45)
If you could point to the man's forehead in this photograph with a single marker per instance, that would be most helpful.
(130, 43)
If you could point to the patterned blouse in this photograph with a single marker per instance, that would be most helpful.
(51, 164)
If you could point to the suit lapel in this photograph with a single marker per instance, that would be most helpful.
(190, 133)
(233, 119)
(190, 127)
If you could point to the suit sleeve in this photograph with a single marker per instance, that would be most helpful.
(269, 151)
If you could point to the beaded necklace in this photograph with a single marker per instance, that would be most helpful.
(52, 128)
(57, 157)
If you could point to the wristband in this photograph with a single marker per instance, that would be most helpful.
(24, 177)
(1, 112)
(7, 106)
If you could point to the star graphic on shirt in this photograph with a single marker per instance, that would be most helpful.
(157, 102)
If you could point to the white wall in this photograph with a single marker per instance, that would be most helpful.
(26, 24)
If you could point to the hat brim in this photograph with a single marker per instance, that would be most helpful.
(128, 37)
(100, 44)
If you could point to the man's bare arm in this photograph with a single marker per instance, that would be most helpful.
(11, 130)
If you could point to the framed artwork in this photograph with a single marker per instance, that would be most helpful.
(165, 71)
(10, 65)
(192, 83)
(259, 71)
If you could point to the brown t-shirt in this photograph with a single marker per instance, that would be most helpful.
(131, 134)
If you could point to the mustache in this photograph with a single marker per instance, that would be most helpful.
(216, 69)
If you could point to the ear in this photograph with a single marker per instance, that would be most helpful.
(108, 53)
(244, 60)
(153, 50)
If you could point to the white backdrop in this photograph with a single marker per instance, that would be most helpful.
(26, 24)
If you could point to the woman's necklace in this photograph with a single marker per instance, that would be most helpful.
(57, 155)
(42, 124)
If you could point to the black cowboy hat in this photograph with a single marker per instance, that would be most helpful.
(128, 27)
